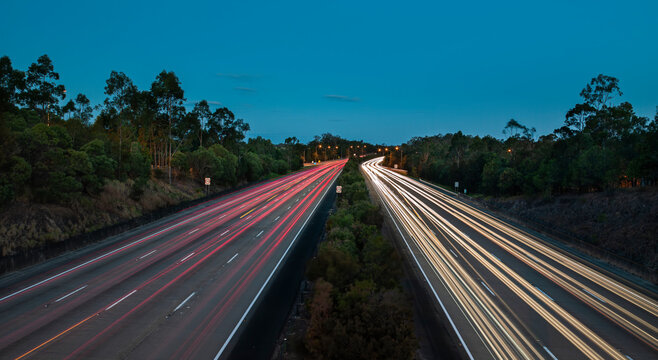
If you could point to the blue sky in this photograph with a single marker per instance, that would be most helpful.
(377, 71)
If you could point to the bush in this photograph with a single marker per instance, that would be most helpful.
(357, 310)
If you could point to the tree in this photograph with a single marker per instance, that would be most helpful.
(577, 117)
(291, 143)
(83, 109)
(458, 146)
(203, 115)
(600, 91)
(42, 91)
(12, 82)
(169, 95)
(119, 90)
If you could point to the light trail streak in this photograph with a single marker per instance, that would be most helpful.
(297, 182)
(501, 336)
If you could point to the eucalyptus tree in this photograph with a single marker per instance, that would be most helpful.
(42, 91)
(169, 96)
(120, 91)
(12, 83)
(202, 116)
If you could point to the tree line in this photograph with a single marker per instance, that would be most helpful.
(601, 145)
(53, 150)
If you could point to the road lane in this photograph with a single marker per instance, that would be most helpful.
(511, 295)
(132, 289)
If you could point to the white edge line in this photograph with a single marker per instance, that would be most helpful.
(445, 311)
(224, 233)
(193, 231)
(542, 291)
(235, 329)
(143, 256)
(550, 353)
(184, 301)
(453, 253)
(120, 300)
(187, 257)
(594, 296)
(485, 285)
(260, 233)
(69, 294)
(231, 259)
(277, 218)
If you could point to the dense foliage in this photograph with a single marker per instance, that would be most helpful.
(357, 310)
(600, 146)
(52, 151)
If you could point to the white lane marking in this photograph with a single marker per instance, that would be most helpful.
(241, 206)
(108, 254)
(541, 291)
(276, 267)
(453, 253)
(192, 232)
(69, 294)
(628, 357)
(120, 300)
(248, 217)
(436, 295)
(277, 218)
(187, 257)
(221, 217)
(260, 233)
(224, 233)
(486, 287)
(289, 207)
(147, 254)
(496, 257)
(594, 296)
(297, 200)
(550, 353)
(231, 259)
(184, 301)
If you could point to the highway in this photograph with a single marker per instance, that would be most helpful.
(179, 288)
(507, 294)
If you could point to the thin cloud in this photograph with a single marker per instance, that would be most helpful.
(244, 89)
(210, 102)
(342, 98)
(241, 77)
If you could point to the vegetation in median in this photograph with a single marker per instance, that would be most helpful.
(358, 309)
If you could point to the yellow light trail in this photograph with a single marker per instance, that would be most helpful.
(503, 337)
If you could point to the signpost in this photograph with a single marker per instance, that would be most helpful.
(207, 182)
(339, 189)
(457, 187)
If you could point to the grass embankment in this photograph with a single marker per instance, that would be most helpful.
(357, 308)
(28, 225)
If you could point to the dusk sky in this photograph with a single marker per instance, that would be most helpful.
(377, 71)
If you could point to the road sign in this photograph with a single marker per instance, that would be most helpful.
(456, 184)
(339, 189)
(207, 181)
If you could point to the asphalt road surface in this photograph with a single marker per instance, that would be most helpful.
(179, 288)
(508, 294)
